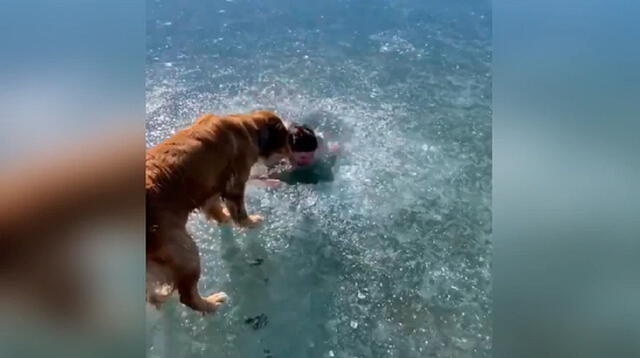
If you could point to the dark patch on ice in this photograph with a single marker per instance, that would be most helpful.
(257, 322)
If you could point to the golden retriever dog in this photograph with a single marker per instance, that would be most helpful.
(201, 167)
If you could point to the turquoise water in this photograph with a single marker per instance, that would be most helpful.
(392, 259)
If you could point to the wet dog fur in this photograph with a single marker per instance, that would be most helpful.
(204, 166)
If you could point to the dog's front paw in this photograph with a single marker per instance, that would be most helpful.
(225, 217)
(220, 215)
(251, 221)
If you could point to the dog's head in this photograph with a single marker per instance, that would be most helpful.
(272, 135)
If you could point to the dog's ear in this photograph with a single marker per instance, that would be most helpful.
(263, 140)
(272, 136)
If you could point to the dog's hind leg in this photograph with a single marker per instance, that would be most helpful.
(185, 263)
(159, 283)
(188, 288)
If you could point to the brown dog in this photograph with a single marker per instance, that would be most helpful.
(200, 167)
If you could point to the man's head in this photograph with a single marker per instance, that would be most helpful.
(303, 144)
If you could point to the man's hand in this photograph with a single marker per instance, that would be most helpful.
(272, 183)
(333, 147)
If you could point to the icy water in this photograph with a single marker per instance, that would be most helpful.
(393, 258)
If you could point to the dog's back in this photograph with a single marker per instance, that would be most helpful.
(187, 168)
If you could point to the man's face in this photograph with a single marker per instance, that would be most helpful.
(303, 158)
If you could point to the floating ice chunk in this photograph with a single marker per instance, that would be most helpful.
(331, 354)
(354, 324)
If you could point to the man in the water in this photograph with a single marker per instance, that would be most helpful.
(312, 160)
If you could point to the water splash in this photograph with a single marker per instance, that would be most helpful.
(398, 243)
